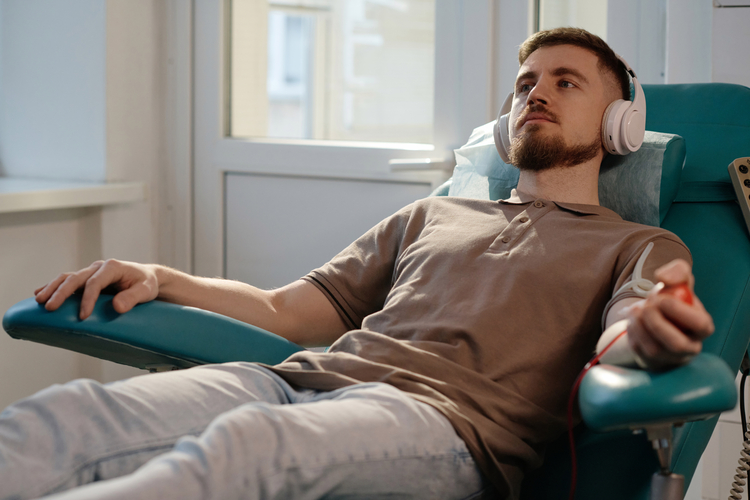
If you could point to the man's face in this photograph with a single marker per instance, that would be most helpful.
(560, 98)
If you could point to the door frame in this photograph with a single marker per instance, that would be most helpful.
(464, 98)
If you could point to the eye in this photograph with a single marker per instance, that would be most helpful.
(524, 87)
(566, 84)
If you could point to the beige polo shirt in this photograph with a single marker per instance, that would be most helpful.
(485, 310)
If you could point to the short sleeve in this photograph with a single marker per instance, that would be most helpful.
(358, 279)
(665, 249)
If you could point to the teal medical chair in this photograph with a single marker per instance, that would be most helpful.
(714, 121)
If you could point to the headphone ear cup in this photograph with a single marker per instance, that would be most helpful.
(633, 129)
(624, 122)
(501, 131)
(612, 127)
(502, 137)
(623, 128)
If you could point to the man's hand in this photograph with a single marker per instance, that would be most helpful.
(135, 283)
(664, 330)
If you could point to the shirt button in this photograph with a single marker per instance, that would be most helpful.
(523, 219)
(538, 204)
(506, 239)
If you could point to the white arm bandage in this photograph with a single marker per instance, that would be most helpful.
(620, 353)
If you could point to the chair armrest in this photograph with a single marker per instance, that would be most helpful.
(613, 397)
(154, 335)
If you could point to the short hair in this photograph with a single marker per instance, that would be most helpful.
(608, 60)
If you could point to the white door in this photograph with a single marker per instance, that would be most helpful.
(286, 175)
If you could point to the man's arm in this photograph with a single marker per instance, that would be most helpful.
(298, 312)
(663, 330)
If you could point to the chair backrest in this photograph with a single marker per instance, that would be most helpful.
(714, 121)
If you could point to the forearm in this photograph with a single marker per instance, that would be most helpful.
(298, 312)
(230, 298)
(620, 310)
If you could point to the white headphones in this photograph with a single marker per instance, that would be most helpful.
(623, 123)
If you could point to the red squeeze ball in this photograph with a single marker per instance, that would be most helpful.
(680, 291)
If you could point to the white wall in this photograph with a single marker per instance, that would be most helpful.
(510, 30)
(635, 30)
(135, 124)
(112, 53)
(688, 54)
(53, 89)
(35, 247)
(730, 39)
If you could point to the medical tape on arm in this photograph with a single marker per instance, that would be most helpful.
(620, 353)
(638, 284)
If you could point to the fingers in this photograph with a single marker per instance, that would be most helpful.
(99, 280)
(137, 294)
(657, 340)
(691, 319)
(137, 284)
(54, 293)
(664, 330)
(113, 272)
(675, 273)
(45, 292)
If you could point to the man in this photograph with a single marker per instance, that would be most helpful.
(458, 327)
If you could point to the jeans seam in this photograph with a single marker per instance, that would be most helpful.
(102, 457)
(460, 455)
(478, 494)
(281, 470)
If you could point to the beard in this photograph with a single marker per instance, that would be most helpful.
(532, 151)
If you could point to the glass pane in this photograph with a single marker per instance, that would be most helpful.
(639, 29)
(352, 70)
(590, 15)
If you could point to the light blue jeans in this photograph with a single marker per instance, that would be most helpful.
(229, 431)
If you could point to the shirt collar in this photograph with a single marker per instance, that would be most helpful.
(521, 198)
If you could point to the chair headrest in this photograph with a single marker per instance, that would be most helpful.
(705, 115)
(640, 186)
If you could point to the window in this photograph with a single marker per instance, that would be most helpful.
(635, 29)
(590, 15)
(352, 70)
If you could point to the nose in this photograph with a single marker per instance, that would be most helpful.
(539, 94)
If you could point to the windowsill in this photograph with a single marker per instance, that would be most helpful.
(23, 195)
